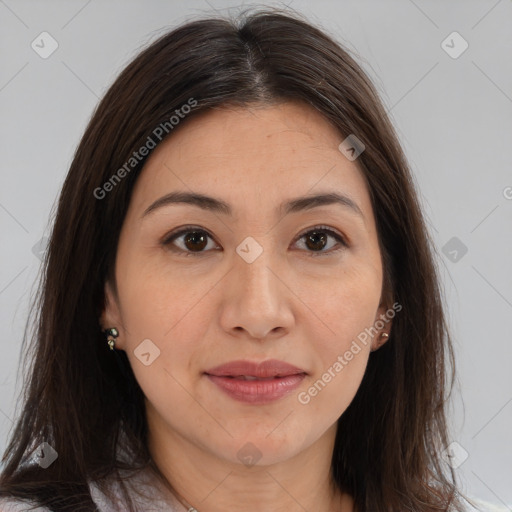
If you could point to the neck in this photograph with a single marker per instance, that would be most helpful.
(331, 501)
(200, 480)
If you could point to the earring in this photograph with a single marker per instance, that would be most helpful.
(112, 333)
(383, 335)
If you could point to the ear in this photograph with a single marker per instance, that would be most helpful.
(111, 314)
(382, 325)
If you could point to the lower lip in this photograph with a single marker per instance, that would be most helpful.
(257, 392)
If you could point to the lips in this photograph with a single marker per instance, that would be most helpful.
(248, 370)
(256, 383)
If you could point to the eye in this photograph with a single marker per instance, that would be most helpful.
(193, 243)
(195, 240)
(316, 239)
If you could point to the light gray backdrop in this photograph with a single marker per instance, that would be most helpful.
(452, 107)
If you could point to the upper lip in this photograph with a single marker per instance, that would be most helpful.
(264, 369)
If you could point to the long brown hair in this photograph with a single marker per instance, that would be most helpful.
(83, 399)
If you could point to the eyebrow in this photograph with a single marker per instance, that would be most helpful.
(291, 206)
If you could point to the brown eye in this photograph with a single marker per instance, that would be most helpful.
(194, 241)
(316, 240)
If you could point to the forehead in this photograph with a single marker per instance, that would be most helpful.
(251, 157)
(272, 132)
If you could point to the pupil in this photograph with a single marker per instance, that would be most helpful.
(194, 236)
(315, 238)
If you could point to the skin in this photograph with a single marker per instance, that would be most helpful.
(216, 307)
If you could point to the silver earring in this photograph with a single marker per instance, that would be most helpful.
(112, 333)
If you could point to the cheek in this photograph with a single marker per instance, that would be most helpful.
(341, 366)
(157, 298)
(347, 311)
(346, 305)
(159, 307)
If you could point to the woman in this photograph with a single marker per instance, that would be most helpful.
(240, 308)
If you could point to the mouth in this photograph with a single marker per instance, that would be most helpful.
(249, 370)
(257, 391)
(252, 377)
(256, 383)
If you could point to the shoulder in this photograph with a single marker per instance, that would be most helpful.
(16, 505)
(141, 487)
(144, 491)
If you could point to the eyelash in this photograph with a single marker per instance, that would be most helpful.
(189, 229)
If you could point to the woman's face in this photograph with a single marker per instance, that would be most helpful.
(251, 284)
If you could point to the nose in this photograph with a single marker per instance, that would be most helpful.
(257, 301)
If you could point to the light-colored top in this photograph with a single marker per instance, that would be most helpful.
(147, 495)
(152, 497)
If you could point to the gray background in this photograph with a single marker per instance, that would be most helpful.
(453, 116)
